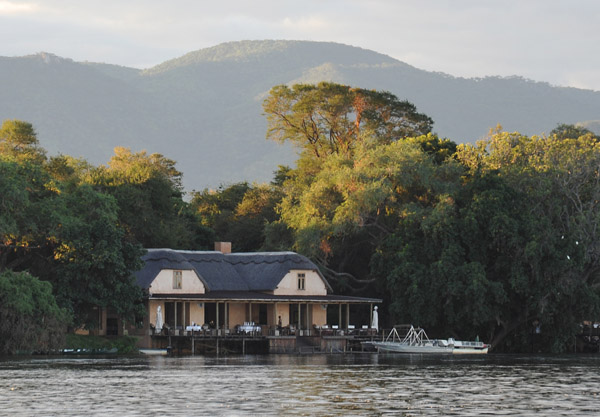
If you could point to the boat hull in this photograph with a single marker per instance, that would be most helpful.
(399, 347)
(154, 352)
(416, 342)
(418, 349)
(470, 351)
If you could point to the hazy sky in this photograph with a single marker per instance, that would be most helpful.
(557, 41)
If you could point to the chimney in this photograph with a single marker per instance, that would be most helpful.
(223, 247)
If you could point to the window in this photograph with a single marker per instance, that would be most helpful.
(176, 280)
(301, 281)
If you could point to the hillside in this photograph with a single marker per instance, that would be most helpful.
(204, 109)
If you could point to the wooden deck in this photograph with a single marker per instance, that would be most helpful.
(224, 342)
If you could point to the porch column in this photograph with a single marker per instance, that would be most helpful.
(175, 308)
(250, 311)
(226, 318)
(347, 316)
(370, 315)
(340, 316)
(217, 325)
(308, 323)
(299, 315)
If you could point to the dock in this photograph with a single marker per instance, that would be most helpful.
(223, 341)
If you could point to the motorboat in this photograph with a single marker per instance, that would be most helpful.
(416, 341)
(154, 352)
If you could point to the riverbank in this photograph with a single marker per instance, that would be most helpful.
(119, 344)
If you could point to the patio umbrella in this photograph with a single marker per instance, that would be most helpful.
(159, 319)
(375, 323)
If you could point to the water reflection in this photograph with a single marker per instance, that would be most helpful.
(360, 384)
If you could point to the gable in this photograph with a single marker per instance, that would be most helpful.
(166, 283)
(265, 271)
(312, 284)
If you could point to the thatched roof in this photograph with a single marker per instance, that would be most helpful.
(227, 272)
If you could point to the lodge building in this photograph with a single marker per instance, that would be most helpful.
(274, 296)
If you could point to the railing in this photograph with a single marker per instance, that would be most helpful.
(259, 331)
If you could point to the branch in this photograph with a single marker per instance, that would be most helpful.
(336, 275)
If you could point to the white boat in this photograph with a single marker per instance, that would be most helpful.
(154, 352)
(416, 341)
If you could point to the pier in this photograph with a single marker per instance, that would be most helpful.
(223, 341)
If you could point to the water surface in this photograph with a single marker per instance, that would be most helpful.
(357, 384)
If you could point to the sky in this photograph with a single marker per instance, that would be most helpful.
(555, 41)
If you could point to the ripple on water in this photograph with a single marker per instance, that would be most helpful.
(301, 385)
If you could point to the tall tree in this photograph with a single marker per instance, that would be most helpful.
(69, 236)
(342, 208)
(329, 118)
(239, 213)
(149, 194)
(568, 131)
(557, 261)
(30, 319)
(93, 260)
(19, 140)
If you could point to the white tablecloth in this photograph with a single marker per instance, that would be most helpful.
(249, 328)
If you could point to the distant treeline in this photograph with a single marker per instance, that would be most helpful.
(491, 240)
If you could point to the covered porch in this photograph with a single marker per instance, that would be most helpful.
(235, 314)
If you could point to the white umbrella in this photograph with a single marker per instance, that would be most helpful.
(159, 319)
(375, 323)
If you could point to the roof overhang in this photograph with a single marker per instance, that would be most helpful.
(257, 297)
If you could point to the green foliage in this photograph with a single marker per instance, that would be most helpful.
(18, 139)
(13, 199)
(552, 264)
(94, 262)
(149, 195)
(342, 207)
(329, 118)
(566, 131)
(467, 240)
(83, 239)
(30, 318)
(124, 344)
(240, 213)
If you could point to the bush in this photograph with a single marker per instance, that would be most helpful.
(30, 319)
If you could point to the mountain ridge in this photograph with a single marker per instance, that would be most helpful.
(203, 109)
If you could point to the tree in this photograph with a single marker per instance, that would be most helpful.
(68, 236)
(19, 140)
(329, 118)
(93, 259)
(342, 208)
(149, 194)
(240, 213)
(557, 259)
(30, 318)
(567, 131)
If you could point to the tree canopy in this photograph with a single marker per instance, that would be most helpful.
(485, 240)
(328, 118)
(82, 228)
(30, 319)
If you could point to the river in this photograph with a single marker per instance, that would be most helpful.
(352, 384)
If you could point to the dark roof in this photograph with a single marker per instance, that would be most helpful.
(226, 272)
(264, 271)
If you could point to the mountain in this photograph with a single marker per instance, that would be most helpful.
(204, 109)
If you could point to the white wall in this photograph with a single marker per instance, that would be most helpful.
(190, 283)
(313, 284)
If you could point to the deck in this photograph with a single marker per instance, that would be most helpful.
(224, 341)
